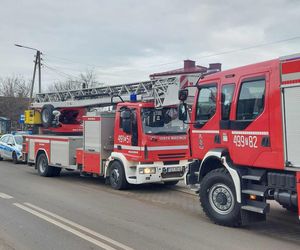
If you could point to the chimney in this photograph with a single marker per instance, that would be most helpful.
(189, 64)
(215, 66)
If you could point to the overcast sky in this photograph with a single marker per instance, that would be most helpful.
(126, 40)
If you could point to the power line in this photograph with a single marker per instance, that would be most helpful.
(176, 62)
(59, 72)
(74, 62)
(250, 47)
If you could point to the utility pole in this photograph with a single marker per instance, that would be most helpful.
(37, 64)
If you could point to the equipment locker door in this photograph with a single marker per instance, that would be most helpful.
(290, 75)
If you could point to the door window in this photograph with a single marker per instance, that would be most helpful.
(10, 140)
(226, 100)
(251, 100)
(206, 104)
(4, 139)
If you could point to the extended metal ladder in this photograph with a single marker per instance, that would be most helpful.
(101, 96)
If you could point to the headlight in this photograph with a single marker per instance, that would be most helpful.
(151, 170)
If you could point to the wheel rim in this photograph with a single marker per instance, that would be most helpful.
(114, 177)
(45, 116)
(221, 198)
(42, 165)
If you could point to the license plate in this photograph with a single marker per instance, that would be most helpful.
(174, 169)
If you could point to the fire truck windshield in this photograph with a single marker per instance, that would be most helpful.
(162, 121)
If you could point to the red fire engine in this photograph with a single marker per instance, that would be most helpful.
(244, 133)
(139, 141)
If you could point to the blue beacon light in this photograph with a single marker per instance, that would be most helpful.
(133, 97)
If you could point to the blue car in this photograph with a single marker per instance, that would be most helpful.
(11, 147)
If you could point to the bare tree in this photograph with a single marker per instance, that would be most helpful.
(14, 92)
(14, 86)
(87, 79)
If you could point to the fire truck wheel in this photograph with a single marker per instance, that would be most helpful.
(117, 176)
(56, 171)
(47, 115)
(42, 165)
(218, 198)
(14, 158)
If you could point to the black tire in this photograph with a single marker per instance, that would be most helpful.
(117, 176)
(1, 158)
(171, 183)
(15, 158)
(56, 171)
(218, 198)
(42, 165)
(47, 115)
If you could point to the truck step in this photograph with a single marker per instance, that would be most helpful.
(253, 209)
(254, 175)
(251, 177)
(254, 192)
(256, 207)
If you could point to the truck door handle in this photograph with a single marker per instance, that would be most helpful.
(119, 147)
(217, 139)
(265, 142)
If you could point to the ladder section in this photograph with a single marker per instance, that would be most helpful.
(101, 96)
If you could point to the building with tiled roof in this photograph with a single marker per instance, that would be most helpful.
(189, 68)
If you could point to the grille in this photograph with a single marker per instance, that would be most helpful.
(171, 156)
(171, 162)
(172, 174)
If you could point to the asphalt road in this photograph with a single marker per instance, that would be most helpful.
(71, 212)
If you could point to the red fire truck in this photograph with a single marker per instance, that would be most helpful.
(244, 135)
(139, 141)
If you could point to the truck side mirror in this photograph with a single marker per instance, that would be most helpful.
(183, 94)
(182, 112)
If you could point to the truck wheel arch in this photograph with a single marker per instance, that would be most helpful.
(107, 170)
(115, 156)
(208, 164)
(40, 151)
(219, 158)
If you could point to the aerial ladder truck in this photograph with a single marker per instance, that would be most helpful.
(141, 140)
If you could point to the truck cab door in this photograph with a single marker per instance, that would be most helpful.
(244, 123)
(205, 130)
(128, 140)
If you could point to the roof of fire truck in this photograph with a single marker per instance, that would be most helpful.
(231, 73)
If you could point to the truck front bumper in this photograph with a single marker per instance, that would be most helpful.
(158, 172)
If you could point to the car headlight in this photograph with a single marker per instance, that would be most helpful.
(151, 170)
